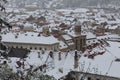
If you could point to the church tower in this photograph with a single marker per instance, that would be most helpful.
(77, 28)
(46, 31)
(79, 39)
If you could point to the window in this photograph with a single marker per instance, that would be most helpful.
(35, 48)
(21, 47)
(16, 46)
(45, 49)
(97, 79)
(30, 47)
(89, 78)
(88, 41)
(76, 41)
(72, 78)
(40, 48)
(81, 41)
(25, 34)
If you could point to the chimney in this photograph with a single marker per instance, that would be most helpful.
(59, 55)
(61, 70)
(76, 60)
(51, 54)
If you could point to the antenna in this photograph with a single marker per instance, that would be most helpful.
(109, 67)
(84, 74)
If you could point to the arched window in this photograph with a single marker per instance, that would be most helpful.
(40, 48)
(21, 47)
(35, 48)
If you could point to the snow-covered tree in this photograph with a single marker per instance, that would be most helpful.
(6, 72)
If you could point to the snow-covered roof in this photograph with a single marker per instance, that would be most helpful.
(29, 37)
(111, 36)
(113, 27)
(105, 64)
(72, 33)
(113, 22)
(66, 37)
(28, 26)
(90, 35)
(62, 45)
(81, 10)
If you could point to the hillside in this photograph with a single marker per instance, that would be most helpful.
(65, 3)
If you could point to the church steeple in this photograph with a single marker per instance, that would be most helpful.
(77, 27)
(46, 31)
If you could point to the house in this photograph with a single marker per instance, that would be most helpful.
(28, 27)
(117, 30)
(99, 31)
(31, 19)
(63, 47)
(31, 7)
(76, 75)
(90, 38)
(67, 39)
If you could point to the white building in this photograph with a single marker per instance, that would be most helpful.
(30, 40)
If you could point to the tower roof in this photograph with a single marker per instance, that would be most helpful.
(78, 23)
